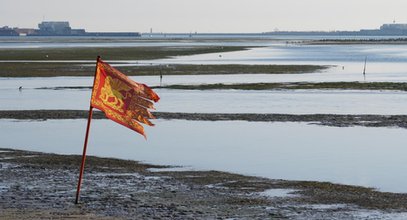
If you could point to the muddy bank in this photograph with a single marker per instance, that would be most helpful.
(52, 69)
(319, 119)
(52, 54)
(78, 61)
(390, 41)
(37, 186)
(378, 86)
(392, 86)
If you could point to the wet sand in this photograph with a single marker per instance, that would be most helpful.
(36, 186)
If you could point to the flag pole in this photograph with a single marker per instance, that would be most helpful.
(86, 140)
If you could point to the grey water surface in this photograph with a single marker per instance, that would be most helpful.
(372, 157)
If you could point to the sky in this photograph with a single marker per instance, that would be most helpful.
(209, 16)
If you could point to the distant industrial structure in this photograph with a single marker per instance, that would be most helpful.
(7, 31)
(385, 30)
(60, 28)
(388, 29)
(57, 28)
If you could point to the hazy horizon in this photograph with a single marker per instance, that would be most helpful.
(209, 16)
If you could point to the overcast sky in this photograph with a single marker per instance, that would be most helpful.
(205, 15)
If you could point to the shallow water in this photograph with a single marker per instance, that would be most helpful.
(226, 101)
(384, 63)
(278, 193)
(289, 53)
(373, 157)
(166, 40)
(77, 42)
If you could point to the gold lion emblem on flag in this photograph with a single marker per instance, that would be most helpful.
(114, 92)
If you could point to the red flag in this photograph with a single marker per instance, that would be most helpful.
(122, 99)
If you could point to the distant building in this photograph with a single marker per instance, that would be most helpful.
(24, 31)
(386, 29)
(6, 31)
(78, 32)
(54, 28)
(398, 29)
(62, 28)
(57, 28)
(393, 27)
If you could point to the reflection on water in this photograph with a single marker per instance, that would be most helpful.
(372, 157)
(314, 54)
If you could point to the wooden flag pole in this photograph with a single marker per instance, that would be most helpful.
(83, 156)
(86, 141)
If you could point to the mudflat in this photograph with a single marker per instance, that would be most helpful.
(36, 185)
(334, 120)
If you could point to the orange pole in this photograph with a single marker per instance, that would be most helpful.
(83, 156)
(78, 189)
